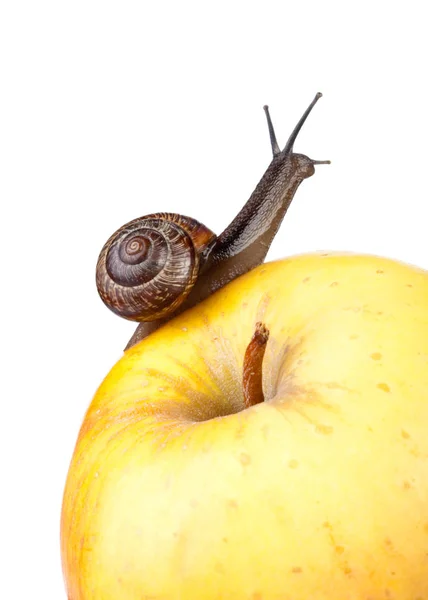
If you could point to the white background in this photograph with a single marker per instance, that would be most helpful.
(111, 110)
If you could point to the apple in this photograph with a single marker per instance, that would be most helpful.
(320, 492)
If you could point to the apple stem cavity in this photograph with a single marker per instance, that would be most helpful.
(253, 362)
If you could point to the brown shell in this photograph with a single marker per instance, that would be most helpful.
(148, 267)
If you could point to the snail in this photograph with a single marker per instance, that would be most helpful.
(157, 266)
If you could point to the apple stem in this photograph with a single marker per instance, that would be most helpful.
(253, 361)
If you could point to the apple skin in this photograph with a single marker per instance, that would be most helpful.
(319, 493)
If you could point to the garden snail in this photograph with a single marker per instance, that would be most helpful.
(157, 266)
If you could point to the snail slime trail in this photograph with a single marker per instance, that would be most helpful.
(157, 266)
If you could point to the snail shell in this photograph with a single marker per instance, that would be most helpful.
(149, 266)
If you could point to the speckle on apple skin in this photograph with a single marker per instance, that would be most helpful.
(324, 429)
(245, 459)
(384, 387)
(297, 570)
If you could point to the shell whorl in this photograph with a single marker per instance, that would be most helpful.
(148, 267)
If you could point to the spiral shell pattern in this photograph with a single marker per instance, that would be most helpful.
(149, 266)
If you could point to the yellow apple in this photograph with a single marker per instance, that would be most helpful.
(319, 493)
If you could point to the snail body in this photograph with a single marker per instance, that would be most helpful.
(155, 267)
